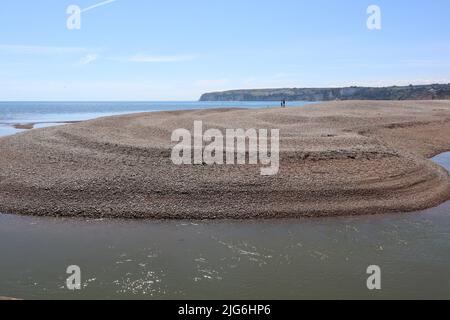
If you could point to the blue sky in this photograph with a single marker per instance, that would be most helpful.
(176, 50)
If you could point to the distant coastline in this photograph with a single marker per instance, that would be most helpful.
(411, 92)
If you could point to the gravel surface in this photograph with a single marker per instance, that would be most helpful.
(337, 158)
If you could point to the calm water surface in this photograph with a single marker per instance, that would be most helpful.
(276, 259)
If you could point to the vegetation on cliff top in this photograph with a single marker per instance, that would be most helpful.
(412, 92)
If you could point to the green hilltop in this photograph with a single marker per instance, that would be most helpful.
(411, 92)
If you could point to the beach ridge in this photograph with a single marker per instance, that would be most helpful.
(336, 158)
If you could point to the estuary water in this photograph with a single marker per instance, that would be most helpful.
(271, 259)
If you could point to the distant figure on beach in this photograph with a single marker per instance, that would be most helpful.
(283, 103)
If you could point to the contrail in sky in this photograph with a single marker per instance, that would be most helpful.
(98, 5)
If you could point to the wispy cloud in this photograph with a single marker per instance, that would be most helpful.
(47, 50)
(110, 90)
(157, 58)
(89, 54)
(345, 64)
(384, 82)
(89, 58)
(211, 83)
